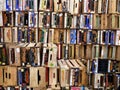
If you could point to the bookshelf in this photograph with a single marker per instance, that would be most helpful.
(59, 44)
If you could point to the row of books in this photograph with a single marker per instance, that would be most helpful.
(59, 20)
(28, 88)
(103, 66)
(72, 6)
(105, 81)
(37, 54)
(69, 74)
(63, 36)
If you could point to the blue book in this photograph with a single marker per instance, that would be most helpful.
(19, 77)
(73, 37)
(106, 37)
(19, 35)
(112, 38)
(8, 8)
(17, 5)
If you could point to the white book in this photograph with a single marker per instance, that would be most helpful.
(65, 20)
(99, 6)
(45, 35)
(65, 36)
(35, 5)
(2, 5)
(31, 19)
(104, 52)
(43, 58)
(38, 56)
(74, 21)
(99, 37)
(71, 6)
(41, 15)
(1, 19)
(2, 35)
(81, 21)
(76, 6)
(85, 4)
(53, 20)
(117, 37)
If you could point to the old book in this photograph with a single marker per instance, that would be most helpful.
(67, 20)
(89, 37)
(117, 53)
(14, 56)
(32, 35)
(19, 19)
(77, 50)
(71, 51)
(111, 52)
(42, 5)
(112, 3)
(56, 36)
(104, 52)
(52, 76)
(33, 19)
(2, 3)
(117, 37)
(1, 19)
(104, 23)
(4, 59)
(8, 76)
(74, 76)
(25, 5)
(1, 35)
(7, 34)
(52, 57)
(61, 20)
(42, 35)
(65, 51)
(99, 6)
(51, 36)
(59, 51)
(88, 52)
(96, 21)
(23, 76)
(65, 5)
(98, 81)
(37, 77)
(49, 5)
(76, 6)
(8, 18)
(95, 51)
